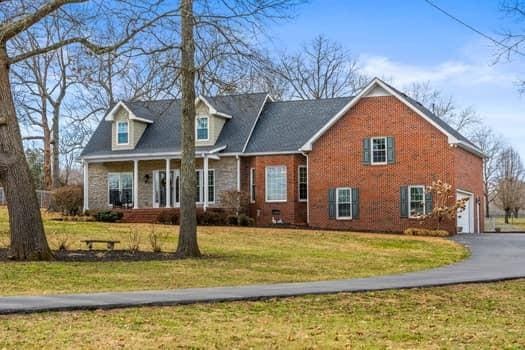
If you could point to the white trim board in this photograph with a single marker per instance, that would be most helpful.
(111, 115)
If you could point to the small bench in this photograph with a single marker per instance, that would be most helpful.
(109, 243)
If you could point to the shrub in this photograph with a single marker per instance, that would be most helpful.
(245, 220)
(232, 220)
(62, 241)
(133, 240)
(154, 240)
(211, 217)
(68, 199)
(169, 217)
(426, 232)
(108, 216)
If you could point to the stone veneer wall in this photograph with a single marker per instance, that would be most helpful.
(225, 179)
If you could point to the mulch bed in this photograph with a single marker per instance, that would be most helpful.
(103, 255)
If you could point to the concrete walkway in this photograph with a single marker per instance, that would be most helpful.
(494, 257)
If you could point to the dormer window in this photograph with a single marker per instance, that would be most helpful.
(122, 133)
(202, 128)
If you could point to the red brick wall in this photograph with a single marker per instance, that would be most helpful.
(469, 177)
(292, 211)
(422, 154)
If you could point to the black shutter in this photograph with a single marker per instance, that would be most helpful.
(390, 150)
(428, 202)
(366, 151)
(332, 213)
(404, 201)
(355, 203)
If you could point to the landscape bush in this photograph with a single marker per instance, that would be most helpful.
(232, 220)
(426, 232)
(68, 200)
(245, 220)
(169, 217)
(108, 215)
(211, 217)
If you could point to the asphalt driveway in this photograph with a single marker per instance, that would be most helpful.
(494, 257)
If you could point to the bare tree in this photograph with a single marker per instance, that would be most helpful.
(491, 145)
(321, 69)
(210, 35)
(513, 40)
(463, 120)
(509, 190)
(42, 83)
(28, 241)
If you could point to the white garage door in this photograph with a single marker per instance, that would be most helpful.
(465, 219)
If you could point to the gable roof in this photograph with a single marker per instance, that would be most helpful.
(254, 124)
(454, 137)
(164, 133)
(284, 126)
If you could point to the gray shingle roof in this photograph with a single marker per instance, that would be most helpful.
(164, 134)
(287, 125)
(282, 127)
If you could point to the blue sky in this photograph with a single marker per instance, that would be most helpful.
(409, 41)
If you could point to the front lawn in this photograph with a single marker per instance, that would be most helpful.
(482, 316)
(233, 256)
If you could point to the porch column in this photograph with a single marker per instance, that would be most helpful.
(238, 173)
(135, 184)
(205, 183)
(168, 183)
(86, 186)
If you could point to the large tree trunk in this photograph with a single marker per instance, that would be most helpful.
(487, 204)
(188, 246)
(507, 215)
(28, 241)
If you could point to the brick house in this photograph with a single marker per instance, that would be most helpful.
(359, 163)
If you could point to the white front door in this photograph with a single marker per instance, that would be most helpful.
(465, 219)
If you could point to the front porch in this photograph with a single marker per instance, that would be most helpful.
(144, 184)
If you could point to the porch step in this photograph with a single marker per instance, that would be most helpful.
(147, 216)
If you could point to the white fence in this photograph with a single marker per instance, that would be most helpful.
(44, 198)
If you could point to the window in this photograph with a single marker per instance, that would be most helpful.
(252, 185)
(416, 201)
(120, 187)
(344, 203)
(276, 183)
(211, 186)
(303, 183)
(122, 132)
(202, 128)
(379, 150)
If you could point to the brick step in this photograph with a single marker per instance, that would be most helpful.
(143, 215)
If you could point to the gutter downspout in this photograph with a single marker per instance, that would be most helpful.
(307, 188)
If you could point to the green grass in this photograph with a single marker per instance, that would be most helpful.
(484, 316)
(518, 223)
(233, 256)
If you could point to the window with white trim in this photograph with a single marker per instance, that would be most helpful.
(416, 202)
(120, 189)
(202, 128)
(275, 185)
(252, 185)
(122, 132)
(379, 150)
(343, 203)
(303, 183)
(211, 186)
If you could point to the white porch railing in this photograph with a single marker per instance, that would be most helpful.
(44, 198)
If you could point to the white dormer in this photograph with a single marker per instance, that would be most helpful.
(127, 128)
(208, 122)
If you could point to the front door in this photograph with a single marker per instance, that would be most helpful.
(465, 219)
(159, 188)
